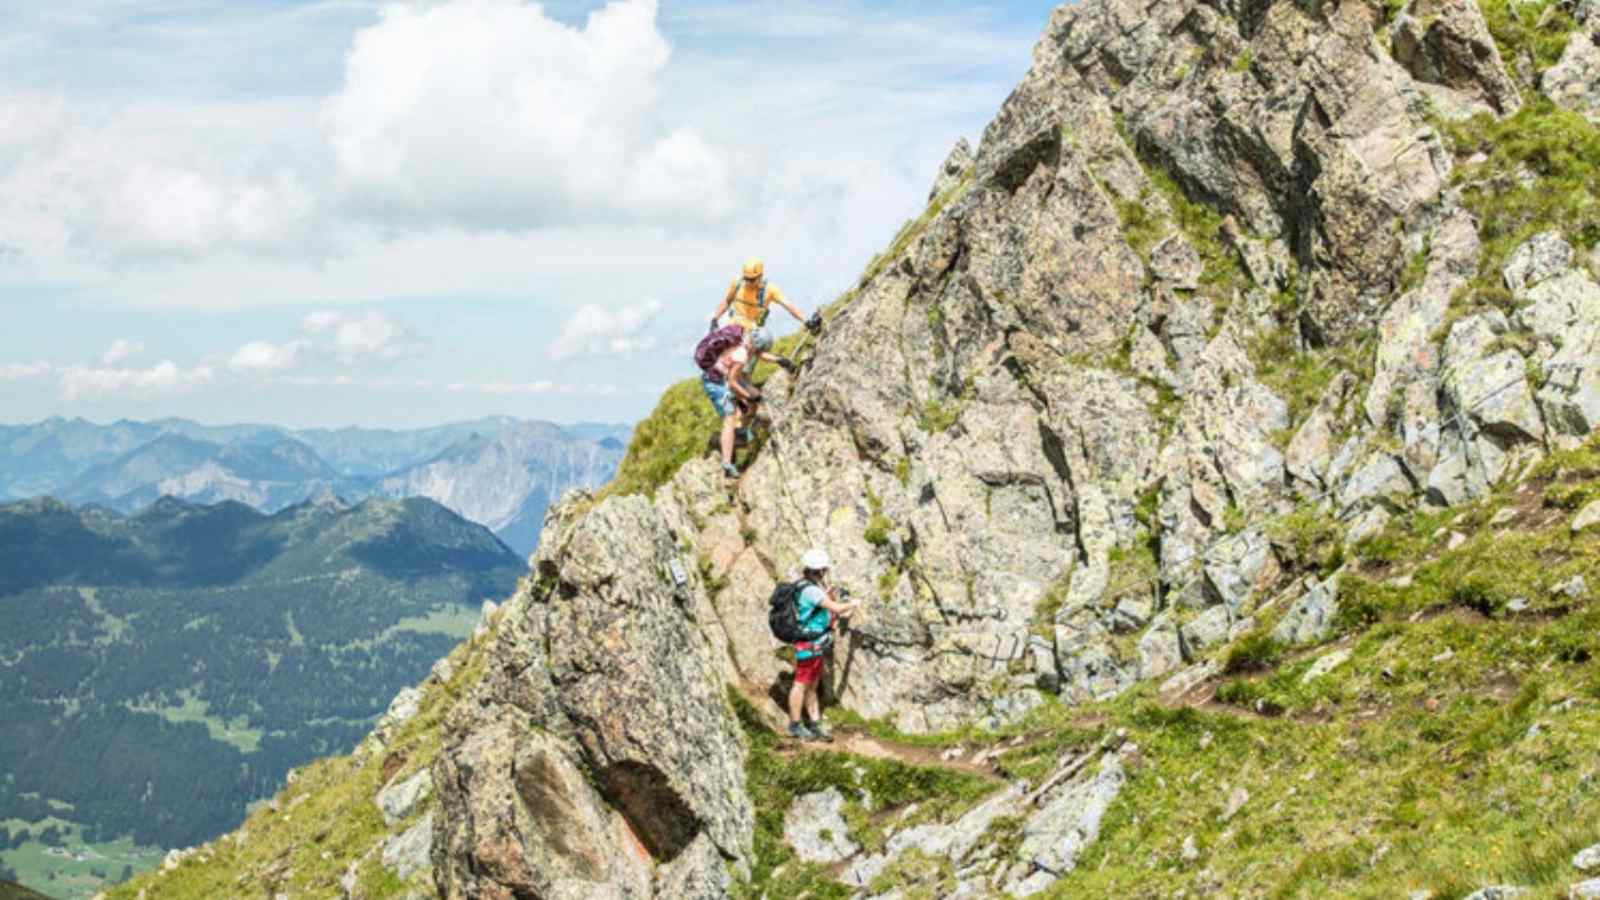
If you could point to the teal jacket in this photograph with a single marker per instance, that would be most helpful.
(813, 618)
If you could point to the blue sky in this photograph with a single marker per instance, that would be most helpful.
(332, 212)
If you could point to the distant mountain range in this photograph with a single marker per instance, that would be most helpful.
(499, 472)
(163, 669)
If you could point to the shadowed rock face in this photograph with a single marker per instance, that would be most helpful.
(1447, 43)
(662, 820)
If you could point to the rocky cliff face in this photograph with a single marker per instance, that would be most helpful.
(1204, 269)
(1226, 289)
(601, 749)
(1200, 273)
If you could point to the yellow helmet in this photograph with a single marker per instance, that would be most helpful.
(754, 268)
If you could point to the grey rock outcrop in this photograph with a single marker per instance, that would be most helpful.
(1407, 354)
(1447, 43)
(410, 852)
(1065, 825)
(1491, 417)
(400, 798)
(1562, 310)
(571, 774)
(1325, 664)
(1498, 892)
(1543, 257)
(1209, 629)
(1311, 616)
(402, 709)
(950, 171)
(815, 827)
(1057, 823)
(1574, 81)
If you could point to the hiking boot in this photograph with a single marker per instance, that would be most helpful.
(800, 732)
(819, 732)
(730, 470)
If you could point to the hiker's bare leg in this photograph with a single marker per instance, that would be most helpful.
(729, 423)
(813, 706)
(797, 696)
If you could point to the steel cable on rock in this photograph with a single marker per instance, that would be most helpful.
(777, 450)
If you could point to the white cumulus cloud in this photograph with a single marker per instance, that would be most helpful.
(20, 371)
(505, 388)
(137, 182)
(595, 330)
(320, 321)
(265, 356)
(489, 113)
(347, 338)
(165, 377)
(364, 337)
(119, 351)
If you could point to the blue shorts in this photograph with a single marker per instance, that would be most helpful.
(720, 394)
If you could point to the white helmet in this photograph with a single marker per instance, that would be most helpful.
(814, 560)
(761, 340)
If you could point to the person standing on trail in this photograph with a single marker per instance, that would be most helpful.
(727, 383)
(751, 299)
(819, 608)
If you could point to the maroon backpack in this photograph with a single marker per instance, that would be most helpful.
(713, 345)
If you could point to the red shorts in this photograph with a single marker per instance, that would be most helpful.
(808, 671)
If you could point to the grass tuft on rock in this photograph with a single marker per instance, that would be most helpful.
(1537, 30)
(1537, 172)
(677, 431)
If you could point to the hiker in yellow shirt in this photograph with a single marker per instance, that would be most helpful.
(751, 298)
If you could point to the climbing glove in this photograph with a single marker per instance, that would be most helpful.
(713, 325)
(786, 364)
(814, 324)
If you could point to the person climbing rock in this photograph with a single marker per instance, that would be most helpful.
(820, 608)
(751, 299)
(727, 357)
(758, 348)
